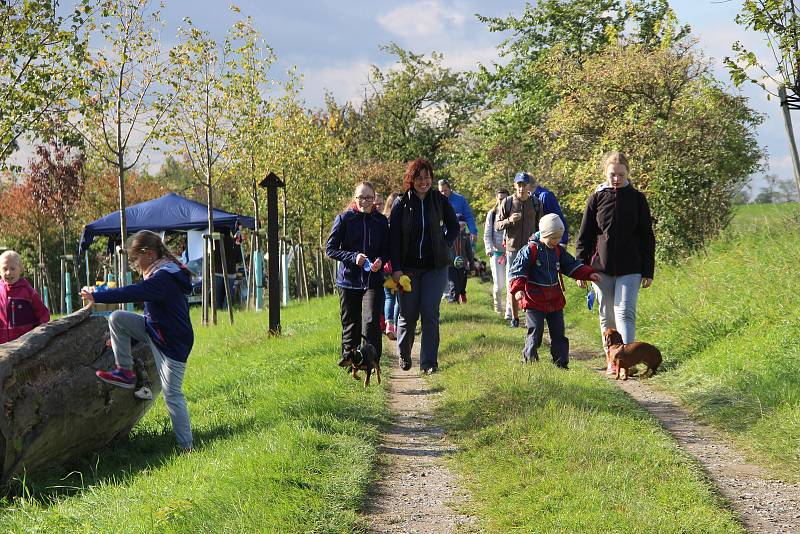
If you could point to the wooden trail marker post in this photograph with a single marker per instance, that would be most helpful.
(272, 183)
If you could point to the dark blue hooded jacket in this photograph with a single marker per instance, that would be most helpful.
(356, 232)
(166, 308)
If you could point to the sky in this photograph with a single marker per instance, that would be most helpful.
(333, 43)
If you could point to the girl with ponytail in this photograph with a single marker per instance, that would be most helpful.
(165, 325)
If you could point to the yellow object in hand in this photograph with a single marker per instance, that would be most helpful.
(405, 283)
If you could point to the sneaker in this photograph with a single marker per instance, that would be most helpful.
(391, 332)
(430, 370)
(143, 393)
(611, 369)
(118, 377)
(405, 362)
(462, 299)
(515, 322)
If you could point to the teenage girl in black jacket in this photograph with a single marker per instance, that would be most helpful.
(616, 239)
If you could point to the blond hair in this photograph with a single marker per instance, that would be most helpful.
(145, 240)
(610, 158)
(11, 255)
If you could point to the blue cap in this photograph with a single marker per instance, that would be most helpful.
(522, 177)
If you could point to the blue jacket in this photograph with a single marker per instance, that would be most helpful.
(356, 232)
(539, 279)
(550, 205)
(166, 308)
(460, 205)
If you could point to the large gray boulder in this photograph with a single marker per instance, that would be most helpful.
(54, 408)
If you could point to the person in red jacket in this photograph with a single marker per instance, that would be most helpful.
(21, 308)
(537, 286)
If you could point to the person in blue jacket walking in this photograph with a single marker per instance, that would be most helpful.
(165, 325)
(359, 241)
(549, 203)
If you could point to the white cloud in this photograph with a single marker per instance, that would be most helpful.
(426, 18)
(346, 82)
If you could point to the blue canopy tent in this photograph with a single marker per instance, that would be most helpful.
(169, 212)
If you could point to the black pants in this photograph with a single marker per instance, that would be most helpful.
(456, 283)
(361, 314)
(559, 344)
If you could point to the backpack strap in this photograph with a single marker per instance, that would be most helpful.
(535, 253)
(507, 205)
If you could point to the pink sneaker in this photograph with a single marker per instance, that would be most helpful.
(391, 331)
(118, 377)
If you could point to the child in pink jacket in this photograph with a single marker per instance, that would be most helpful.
(21, 308)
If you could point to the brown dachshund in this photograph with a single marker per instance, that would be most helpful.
(627, 355)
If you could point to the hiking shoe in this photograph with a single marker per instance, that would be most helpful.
(143, 393)
(514, 322)
(118, 377)
(405, 362)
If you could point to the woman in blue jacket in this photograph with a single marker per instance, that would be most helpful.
(359, 241)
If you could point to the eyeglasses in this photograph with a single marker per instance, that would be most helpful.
(365, 199)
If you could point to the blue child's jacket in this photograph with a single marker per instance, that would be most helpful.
(540, 280)
(166, 308)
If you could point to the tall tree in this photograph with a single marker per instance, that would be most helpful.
(120, 116)
(412, 109)
(200, 125)
(520, 93)
(42, 56)
(249, 61)
(56, 183)
(779, 21)
(692, 144)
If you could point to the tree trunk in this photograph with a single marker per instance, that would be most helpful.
(55, 408)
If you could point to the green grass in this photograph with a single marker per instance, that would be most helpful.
(727, 323)
(544, 450)
(285, 442)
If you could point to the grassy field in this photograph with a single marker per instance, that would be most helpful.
(546, 450)
(285, 443)
(727, 323)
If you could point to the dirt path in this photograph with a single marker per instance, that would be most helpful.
(416, 493)
(763, 503)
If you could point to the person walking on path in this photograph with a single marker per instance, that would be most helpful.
(549, 204)
(493, 243)
(463, 210)
(390, 306)
(535, 281)
(165, 325)
(616, 238)
(518, 216)
(359, 241)
(422, 227)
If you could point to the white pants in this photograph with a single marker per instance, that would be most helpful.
(499, 286)
(616, 303)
